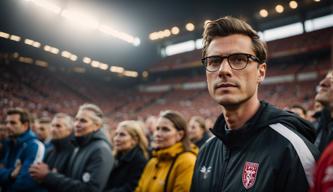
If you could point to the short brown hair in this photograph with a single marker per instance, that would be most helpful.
(180, 124)
(229, 26)
(24, 115)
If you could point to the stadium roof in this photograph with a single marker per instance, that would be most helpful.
(138, 18)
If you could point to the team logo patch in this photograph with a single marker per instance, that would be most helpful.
(204, 170)
(250, 171)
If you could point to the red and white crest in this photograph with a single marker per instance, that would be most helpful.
(250, 171)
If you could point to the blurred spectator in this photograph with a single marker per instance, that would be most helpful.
(150, 128)
(323, 176)
(90, 164)
(197, 131)
(130, 152)
(3, 139)
(58, 156)
(171, 166)
(43, 131)
(299, 110)
(23, 150)
(325, 126)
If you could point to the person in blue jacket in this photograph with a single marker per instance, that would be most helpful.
(22, 150)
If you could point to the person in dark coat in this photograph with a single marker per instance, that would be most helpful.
(91, 163)
(58, 156)
(130, 151)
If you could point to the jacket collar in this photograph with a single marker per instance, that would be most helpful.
(62, 144)
(170, 152)
(129, 156)
(25, 136)
(239, 137)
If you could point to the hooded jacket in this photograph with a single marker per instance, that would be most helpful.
(271, 152)
(155, 173)
(89, 166)
(26, 149)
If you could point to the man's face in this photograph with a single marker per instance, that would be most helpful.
(84, 123)
(59, 129)
(42, 131)
(14, 126)
(325, 92)
(231, 87)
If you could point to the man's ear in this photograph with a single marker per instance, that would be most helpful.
(261, 72)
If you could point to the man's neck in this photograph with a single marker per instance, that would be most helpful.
(236, 116)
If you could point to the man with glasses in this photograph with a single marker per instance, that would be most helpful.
(256, 146)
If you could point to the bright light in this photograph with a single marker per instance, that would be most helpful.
(174, 30)
(130, 73)
(319, 23)
(145, 74)
(293, 4)
(86, 60)
(283, 31)
(26, 60)
(279, 8)
(15, 38)
(153, 36)
(36, 44)
(80, 18)
(95, 64)
(136, 42)
(167, 33)
(190, 27)
(66, 54)
(41, 63)
(4, 35)
(180, 48)
(47, 5)
(263, 13)
(103, 66)
(316, 0)
(199, 44)
(117, 34)
(116, 69)
(47, 48)
(28, 41)
(73, 57)
(54, 50)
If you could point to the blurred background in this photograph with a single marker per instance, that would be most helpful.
(136, 58)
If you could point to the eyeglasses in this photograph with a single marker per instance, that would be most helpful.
(236, 61)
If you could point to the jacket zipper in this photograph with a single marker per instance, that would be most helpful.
(224, 167)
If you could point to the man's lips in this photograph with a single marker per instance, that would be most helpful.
(224, 85)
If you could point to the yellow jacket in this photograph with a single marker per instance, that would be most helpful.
(180, 177)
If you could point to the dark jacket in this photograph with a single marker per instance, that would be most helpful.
(202, 140)
(89, 166)
(26, 149)
(58, 156)
(127, 171)
(270, 152)
(325, 130)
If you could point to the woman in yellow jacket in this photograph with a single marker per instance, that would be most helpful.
(172, 164)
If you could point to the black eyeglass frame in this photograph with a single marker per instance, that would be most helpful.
(248, 56)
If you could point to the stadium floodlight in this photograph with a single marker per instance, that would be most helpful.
(316, 0)
(41, 63)
(4, 35)
(293, 4)
(145, 74)
(167, 33)
(47, 5)
(180, 48)
(54, 50)
(153, 36)
(117, 69)
(47, 48)
(26, 60)
(279, 8)
(190, 27)
(73, 57)
(95, 64)
(263, 13)
(36, 44)
(86, 60)
(130, 73)
(28, 41)
(175, 30)
(15, 38)
(136, 42)
(103, 66)
(66, 54)
(80, 18)
(118, 34)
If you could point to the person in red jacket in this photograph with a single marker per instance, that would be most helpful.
(323, 177)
